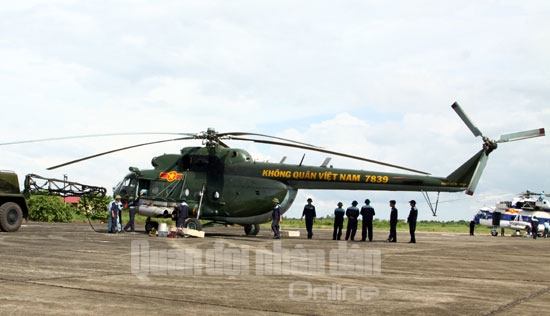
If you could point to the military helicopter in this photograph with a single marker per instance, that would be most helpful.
(226, 185)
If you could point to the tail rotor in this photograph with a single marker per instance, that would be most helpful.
(489, 145)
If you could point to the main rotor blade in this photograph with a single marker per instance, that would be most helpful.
(90, 136)
(466, 119)
(521, 135)
(331, 152)
(119, 149)
(229, 135)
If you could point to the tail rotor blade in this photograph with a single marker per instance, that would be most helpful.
(477, 174)
(521, 135)
(466, 119)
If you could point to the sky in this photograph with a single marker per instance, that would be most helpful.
(374, 79)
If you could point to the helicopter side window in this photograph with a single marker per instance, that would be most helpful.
(185, 162)
(195, 162)
(156, 187)
(519, 204)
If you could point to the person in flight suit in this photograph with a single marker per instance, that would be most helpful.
(338, 221)
(367, 212)
(393, 223)
(352, 213)
(132, 206)
(182, 212)
(309, 213)
(114, 210)
(277, 218)
(413, 215)
(534, 226)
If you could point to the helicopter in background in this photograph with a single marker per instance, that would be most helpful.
(226, 185)
(516, 214)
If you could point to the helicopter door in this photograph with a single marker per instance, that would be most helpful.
(496, 218)
(194, 188)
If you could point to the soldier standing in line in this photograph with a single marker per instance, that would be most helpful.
(352, 213)
(413, 215)
(338, 221)
(393, 223)
(309, 213)
(367, 212)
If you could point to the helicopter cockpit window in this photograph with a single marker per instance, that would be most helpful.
(126, 182)
(482, 215)
(127, 186)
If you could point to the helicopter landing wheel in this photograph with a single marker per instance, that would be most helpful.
(194, 224)
(252, 229)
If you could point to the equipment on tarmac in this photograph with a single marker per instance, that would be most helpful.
(13, 205)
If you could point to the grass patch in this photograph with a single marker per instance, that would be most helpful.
(421, 226)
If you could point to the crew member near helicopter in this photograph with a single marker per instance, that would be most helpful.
(114, 209)
(534, 226)
(182, 212)
(309, 213)
(367, 212)
(338, 221)
(132, 205)
(472, 226)
(413, 215)
(119, 218)
(393, 223)
(352, 213)
(276, 218)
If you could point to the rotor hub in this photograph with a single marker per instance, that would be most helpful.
(489, 145)
(211, 137)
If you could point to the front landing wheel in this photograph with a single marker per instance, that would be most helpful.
(252, 229)
(194, 224)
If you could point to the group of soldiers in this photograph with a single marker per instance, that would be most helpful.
(352, 213)
(367, 213)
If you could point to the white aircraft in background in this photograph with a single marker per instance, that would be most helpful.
(516, 214)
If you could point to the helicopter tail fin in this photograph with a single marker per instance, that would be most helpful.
(470, 172)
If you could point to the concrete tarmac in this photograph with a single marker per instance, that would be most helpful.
(57, 269)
